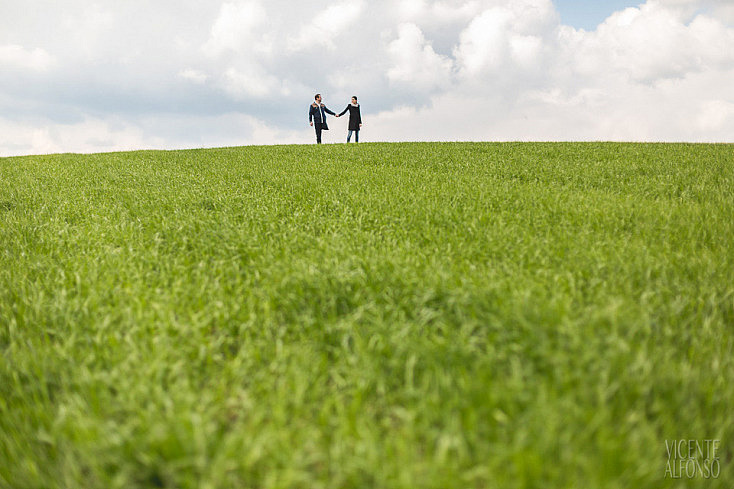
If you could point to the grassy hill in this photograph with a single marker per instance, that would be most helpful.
(511, 315)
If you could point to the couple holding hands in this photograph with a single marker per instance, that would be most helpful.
(317, 118)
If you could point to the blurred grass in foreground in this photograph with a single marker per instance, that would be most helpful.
(511, 315)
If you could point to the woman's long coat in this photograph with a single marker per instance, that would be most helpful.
(355, 118)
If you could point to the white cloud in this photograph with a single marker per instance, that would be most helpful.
(82, 33)
(651, 43)
(437, 12)
(195, 76)
(715, 115)
(251, 83)
(236, 28)
(240, 71)
(326, 26)
(510, 38)
(89, 135)
(338, 17)
(102, 135)
(15, 56)
(414, 62)
(484, 43)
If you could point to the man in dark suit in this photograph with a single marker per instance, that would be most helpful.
(317, 117)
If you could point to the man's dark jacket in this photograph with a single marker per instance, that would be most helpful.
(317, 114)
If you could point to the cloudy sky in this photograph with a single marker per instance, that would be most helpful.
(86, 76)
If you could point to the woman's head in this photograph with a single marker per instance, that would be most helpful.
(354, 99)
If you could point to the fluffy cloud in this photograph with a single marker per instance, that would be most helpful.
(650, 43)
(194, 76)
(326, 26)
(13, 56)
(657, 72)
(238, 28)
(415, 63)
(90, 135)
(182, 73)
(253, 83)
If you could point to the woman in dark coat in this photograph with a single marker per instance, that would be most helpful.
(355, 119)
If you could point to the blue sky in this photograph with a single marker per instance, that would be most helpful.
(587, 14)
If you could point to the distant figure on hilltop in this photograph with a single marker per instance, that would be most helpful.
(355, 119)
(317, 117)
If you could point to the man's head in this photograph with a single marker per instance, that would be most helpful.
(318, 97)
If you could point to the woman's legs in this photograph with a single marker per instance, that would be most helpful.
(356, 135)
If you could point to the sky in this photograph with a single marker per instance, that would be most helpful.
(96, 76)
(587, 14)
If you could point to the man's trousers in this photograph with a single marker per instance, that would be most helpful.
(319, 127)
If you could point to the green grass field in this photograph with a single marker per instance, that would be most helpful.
(468, 315)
